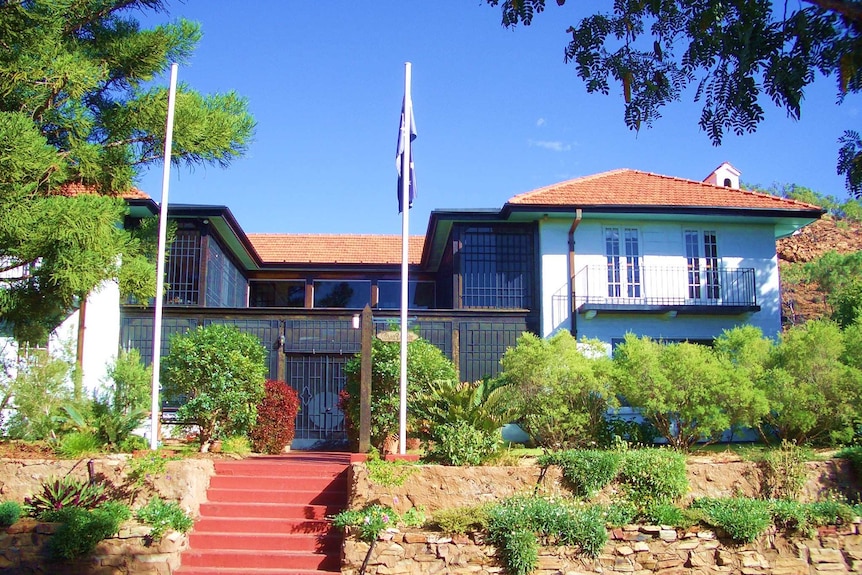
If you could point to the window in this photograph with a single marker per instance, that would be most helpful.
(420, 294)
(496, 265)
(226, 286)
(183, 269)
(353, 294)
(701, 254)
(626, 239)
(276, 294)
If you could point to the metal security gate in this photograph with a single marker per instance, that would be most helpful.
(317, 379)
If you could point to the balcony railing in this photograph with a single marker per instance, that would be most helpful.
(632, 288)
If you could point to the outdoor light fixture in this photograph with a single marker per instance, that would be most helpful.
(356, 321)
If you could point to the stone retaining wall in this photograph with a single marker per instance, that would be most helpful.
(639, 550)
(635, 550)
(23, 546)
(23, 549)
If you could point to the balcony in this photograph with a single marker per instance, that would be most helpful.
(664, 290)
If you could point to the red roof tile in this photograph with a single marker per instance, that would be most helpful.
(77, 188)
(334, 248)
(620, 188)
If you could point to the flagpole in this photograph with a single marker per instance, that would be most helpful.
(406, 124)
(160, 264)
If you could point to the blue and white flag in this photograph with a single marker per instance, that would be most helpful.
(404, 143)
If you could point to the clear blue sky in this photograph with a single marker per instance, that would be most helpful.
(498, 113)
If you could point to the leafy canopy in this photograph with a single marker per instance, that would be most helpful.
(219, 371)
(79, 105)
(689, 392)
(734, 53)
(425, 365)
(563, 387)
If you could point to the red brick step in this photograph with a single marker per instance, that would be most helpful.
(264, 510)
(267, 516)
(265, 541)
(216, 524)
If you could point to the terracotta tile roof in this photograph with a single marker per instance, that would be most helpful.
(619, 188)
(334, 248)
(77, 188)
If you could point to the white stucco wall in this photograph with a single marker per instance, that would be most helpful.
(747, 245)
(101, 334)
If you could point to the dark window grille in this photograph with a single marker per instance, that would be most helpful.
(226, 286)
(496, 266)
(321, 336)
(183, 270)
(482, 344)
(137, 333)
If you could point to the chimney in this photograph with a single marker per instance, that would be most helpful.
(724, 175)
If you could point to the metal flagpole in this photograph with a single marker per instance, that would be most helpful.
(160, 265)
(406, 178)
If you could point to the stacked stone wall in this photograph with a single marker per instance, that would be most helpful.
(633, 550)
(24, 545)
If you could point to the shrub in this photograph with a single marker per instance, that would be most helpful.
(237, 445)
(654, 475)
(784, 471)
(369, 521)
(78, 444)
(164, 515)
(854, 456)
(460, 443)
(113, 424)
(39, 390)
(520, 552)
(10, 512)
(555, 521)
(142, 470)
(65, 492)
(688, 392)
(82, 529)
(388, 473)
(616, 432)
(133, 443)
(563, 388)
(620, 513)
(462, 520)
(814, 396)
(742, 518)
(220, 372)
(589, 471)
(132, 382)
(276, 418)
(425, 364)
(790, 514)
(829, 512)
(485, 405)
(668, 514)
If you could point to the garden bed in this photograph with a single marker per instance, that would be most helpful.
(24, 545)
(634, 548)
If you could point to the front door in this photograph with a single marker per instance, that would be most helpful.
(317, 378)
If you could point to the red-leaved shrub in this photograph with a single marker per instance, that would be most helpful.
(276, 418)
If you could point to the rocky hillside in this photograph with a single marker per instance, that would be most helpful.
(801, 302)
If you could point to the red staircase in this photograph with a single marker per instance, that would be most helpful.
(266, 515)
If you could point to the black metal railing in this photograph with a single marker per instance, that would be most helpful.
(632, 286)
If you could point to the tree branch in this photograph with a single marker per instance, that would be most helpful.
(852, 11)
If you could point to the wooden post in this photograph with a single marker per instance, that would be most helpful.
(365, 382)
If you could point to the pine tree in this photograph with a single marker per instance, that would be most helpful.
(82, 112)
